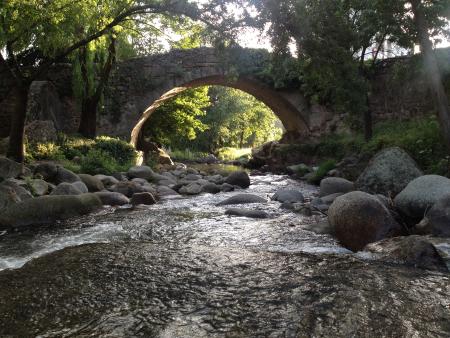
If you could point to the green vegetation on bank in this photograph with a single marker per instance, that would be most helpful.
(421, 138)
(103, 154)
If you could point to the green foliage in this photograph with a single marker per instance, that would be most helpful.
(103, 155)
(186, 155)
(322, 171)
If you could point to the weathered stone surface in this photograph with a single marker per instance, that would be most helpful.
(144, 198)
(420, 195)
(81, 187)
(47, 210)
(41, 131)
(211, 188)
(39, 187)
(112, 198)
(239, 178)
(140, 172)
(360, 219)
(243, 199)
(64, 175)
(415, 251)
(333, 185)
(164, 191)
(247, 213)
(66, 189)
(388, 173)
(437, 219)
(217, 179)
(108, 181)
(127, 188)
(288, 195)
(9, 168)
(92, 183)
(46, 170)
(20, 191)
(225, 187)
(323, 203)
(191, 189)
(8, 196)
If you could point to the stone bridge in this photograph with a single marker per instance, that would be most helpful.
(139, 86)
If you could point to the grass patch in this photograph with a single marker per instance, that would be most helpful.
(322, 171)
(234, 154)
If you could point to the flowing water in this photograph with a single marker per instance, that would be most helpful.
(182, 268)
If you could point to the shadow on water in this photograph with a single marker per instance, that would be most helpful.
(183, 269)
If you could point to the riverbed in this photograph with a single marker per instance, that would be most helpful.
(182, 268)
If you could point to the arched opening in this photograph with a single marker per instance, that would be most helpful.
(289, 115)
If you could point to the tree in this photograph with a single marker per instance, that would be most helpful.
(36, 34)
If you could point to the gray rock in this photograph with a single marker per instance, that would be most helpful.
(360, 219)
(217, 179)
(192, 171)
(239, 178)
(9, 168)
(192, 177)
(322, 228)
(246, 213)
(121, 177)
(288, 195)
(164, 191)
(64, 175)
(92, 183)
(143, 198)
(225, 187)
(8, 197)
(333, 185)
(388, 173)
(108, 181)
(140, 181)
(191, 189)
(112, 198)
(299, 169)
(46, 170)
(211, 188)
(47, 210)
(20, 191)
(39, 187)
(243, 199)
(127, 188)
(420, 195)
(140, 172)
(81, 187)
(413, 251)
(66, 189)
(437, 220)
(323, 203)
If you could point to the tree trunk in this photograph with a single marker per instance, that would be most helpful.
(89, 107)
(433, 71)
(368, 122)
(16, 137)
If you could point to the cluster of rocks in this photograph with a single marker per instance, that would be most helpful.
(390, 201)
(47, 192)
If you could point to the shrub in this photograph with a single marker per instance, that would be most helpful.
(122, 152)
(322, 171)
(44, 152)
(98, 162)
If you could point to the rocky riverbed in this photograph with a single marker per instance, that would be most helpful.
(182, 268)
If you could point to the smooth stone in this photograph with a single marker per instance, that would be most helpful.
(143, 198)
(288, 195)
(92, 183)
(334, 185)
(140, 172)
(239, 178)
(247, 213)
(243, 199)
(112, 198)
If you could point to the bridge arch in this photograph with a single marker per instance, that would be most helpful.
(139, 86)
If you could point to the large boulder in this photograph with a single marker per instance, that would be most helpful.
(20, 191)
(92, 183)
(39, 187)
(8, 196)
(243, 199)
(164, 191)
(413, 251)
(239, 178)
(112, 198)
(211, 188)
(10, 169)
(46, 170)
(288, 196)
(67, 189)
(191, 189)
(108, 181)
(47, 210)
(127, 188)
(334, 185)
(64, 175)
(359, 219)
(420, 195)
(437, 220)
(143, 198)
(246, 213)
(140, 172)
(388, 173)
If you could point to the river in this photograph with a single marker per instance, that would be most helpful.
(182, 268)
